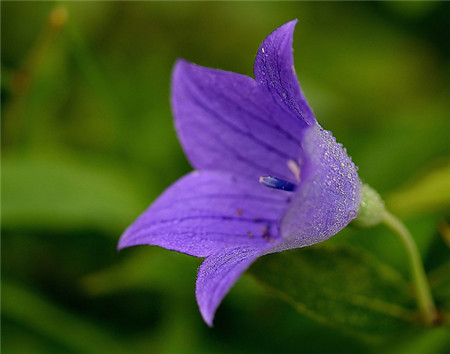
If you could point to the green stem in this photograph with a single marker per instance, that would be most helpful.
(422, 288)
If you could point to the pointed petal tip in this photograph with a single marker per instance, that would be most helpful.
(207, 311)
(180, 64)
(208, 317)
(122, 242)
(126, 240)
(274, 69)
(291, 23)
(287, 27)
(218, 274)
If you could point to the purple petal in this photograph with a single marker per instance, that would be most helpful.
(328, 195)
(274, 69)
(227, 122)
(206, 212)
(217, 275)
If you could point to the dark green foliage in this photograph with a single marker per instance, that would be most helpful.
(341, 286)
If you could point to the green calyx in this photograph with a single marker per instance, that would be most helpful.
(371, 210)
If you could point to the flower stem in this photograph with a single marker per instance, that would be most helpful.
(423, 293)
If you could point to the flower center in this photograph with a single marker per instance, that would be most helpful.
(277, 183)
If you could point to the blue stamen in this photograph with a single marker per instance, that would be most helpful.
(277, 183)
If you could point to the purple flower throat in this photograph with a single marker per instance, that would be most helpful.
(279, 183)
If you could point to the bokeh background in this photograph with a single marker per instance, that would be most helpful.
(88, 142)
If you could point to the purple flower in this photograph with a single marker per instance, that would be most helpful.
(268, 178)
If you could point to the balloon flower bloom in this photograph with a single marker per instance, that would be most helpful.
(268, 177)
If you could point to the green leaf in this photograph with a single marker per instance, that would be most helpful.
(70, 331)
(66, 193)
(340, 286)
(437, 263)
(141, 268)
(440, 286)
(429, 341)
(429, 193)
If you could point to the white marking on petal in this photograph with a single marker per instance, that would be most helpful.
(295, 169)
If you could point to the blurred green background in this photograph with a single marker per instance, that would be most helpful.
(88, 142)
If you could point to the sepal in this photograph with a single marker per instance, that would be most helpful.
(371, 210)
